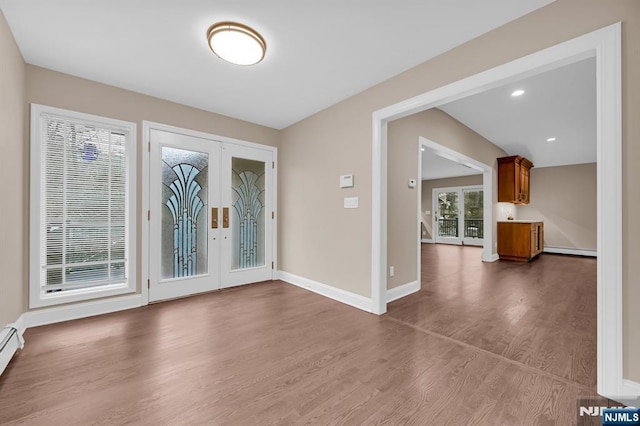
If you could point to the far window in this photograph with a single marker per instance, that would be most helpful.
(82, 195)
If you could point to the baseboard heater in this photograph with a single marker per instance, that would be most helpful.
(10, 341)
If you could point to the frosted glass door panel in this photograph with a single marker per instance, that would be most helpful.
(184, 213)
(247, 213)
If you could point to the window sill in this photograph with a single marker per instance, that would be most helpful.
(41, 300)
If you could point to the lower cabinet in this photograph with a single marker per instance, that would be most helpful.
(520, 240)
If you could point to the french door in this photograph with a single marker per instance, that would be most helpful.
(458, 215)
(211, 217)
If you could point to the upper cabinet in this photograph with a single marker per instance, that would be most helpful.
(513, 179)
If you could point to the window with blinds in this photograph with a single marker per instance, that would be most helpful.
(83, 222)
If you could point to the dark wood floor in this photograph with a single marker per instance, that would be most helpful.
(275, 354)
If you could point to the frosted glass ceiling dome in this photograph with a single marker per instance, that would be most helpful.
(236, 43)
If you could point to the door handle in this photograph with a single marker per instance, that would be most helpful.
(214, 217)
(225, 217)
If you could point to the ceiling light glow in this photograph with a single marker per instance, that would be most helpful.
(518, 92)
(236, 43)
(551, 140)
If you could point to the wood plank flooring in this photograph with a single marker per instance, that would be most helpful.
(272, 353)
(541, 314)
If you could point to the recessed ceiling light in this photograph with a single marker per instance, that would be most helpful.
(422, 148)
(551, 140)
(236, 43)
(518, 92)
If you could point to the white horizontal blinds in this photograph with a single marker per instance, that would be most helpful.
(83, 223)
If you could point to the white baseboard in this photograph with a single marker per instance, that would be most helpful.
(402, 291)
(630, 388)
(11, 340)
(493, 258)
(427, 240)
(575, 252)
(334, 293)
(81, 310)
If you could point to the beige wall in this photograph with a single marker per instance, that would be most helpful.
(55, 89)
(426, 203)
(13, 234)
(403, 153)
(565, 198)
(318, 238)
(338, 140)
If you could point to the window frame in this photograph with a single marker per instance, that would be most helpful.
(37, 297)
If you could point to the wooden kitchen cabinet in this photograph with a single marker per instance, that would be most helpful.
(520, 240)
(513, 179)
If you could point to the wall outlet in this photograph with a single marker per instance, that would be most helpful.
(391, 271)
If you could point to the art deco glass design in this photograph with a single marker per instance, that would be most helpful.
(248, 218)
(184, 213)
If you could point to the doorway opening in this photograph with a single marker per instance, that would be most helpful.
(605, 45)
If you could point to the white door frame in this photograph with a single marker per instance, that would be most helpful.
(147, 126)
(461, 207)
(605, 44)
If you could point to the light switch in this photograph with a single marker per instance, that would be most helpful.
(427, 212)
(350, 202)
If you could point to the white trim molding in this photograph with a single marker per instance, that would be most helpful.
(571, 251)
(402, 291)
(605, 44)
(346, 297)
(427, 241)
(38, 296)
(74, 311)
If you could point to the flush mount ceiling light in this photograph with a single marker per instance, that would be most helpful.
(236, 43)
(518, 92)
(551, 140)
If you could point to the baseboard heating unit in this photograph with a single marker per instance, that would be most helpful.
(10, 341)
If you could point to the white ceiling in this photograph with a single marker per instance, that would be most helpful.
(560, 103)
(437, 167)
(319, 52)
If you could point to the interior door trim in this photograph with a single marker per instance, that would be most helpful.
(145, 141)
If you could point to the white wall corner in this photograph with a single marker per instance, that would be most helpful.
(402, 291)
(81, 310)
(346, 297)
